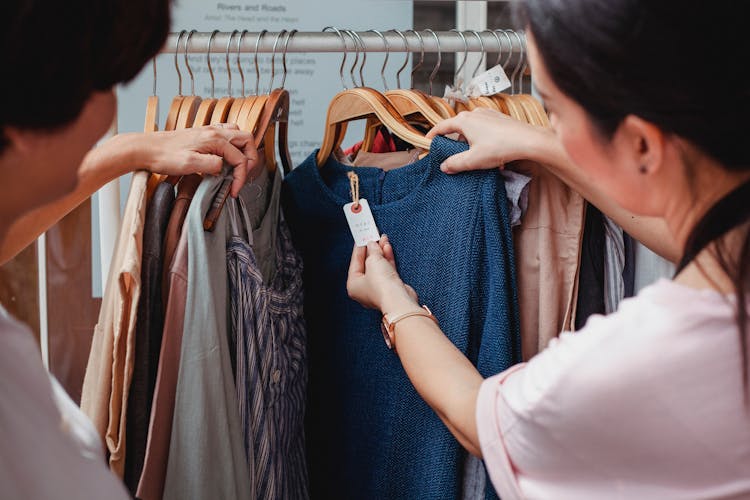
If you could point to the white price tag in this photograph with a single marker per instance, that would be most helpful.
(491, 82)
(454, 94)
(361, 223)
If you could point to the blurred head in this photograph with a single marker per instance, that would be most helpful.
(637, 85)
(651, 99)
(61, 61)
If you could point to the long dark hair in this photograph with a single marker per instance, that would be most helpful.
(679, 64)
(57, 53)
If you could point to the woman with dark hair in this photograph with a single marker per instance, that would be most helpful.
(60, 63)
(648, 106)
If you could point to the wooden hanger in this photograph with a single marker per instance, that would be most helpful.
(189, 106)
(221, 110)
(276, 112)
(151, 124)
(174, 108)
(485, 102)
(152, 107)
(358, 103)
(481, 101)
(409, 103)
(207, 106)
(270, 110)
(188, 111)
(514, 109)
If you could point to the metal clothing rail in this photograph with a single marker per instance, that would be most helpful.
(510, 41)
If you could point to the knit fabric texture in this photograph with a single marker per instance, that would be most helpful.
(369, 434)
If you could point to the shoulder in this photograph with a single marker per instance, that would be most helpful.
(657, 334)
(33, 430)
(652, 380)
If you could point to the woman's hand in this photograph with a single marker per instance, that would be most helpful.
(201, 150)
(494, 140)
(374, 282)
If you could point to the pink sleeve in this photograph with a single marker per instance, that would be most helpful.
(493, 420)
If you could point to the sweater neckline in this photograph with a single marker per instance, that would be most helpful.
(339, 168)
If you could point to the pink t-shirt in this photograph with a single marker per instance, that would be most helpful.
(645, 403)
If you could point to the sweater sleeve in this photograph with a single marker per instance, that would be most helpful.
(495, 301)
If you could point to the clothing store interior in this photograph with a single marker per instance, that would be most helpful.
(362, 249)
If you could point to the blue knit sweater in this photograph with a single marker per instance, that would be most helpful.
(369, 434)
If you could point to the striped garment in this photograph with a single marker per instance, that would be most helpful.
(614, 265)
(271, 373)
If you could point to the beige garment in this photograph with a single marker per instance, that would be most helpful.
(547, 250)
(386, 161)
(110, 367)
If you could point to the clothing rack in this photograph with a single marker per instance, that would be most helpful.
(330, 41)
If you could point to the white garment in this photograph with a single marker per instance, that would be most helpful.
(48, 449)
(649, 267)
(645, 403)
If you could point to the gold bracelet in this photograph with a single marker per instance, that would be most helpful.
(388, 326)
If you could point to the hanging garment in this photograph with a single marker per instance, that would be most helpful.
(628, 272)
(548, 249)
(649, 267)
(614, 265)
(269, 329)
(206, 454)
(369, 434)
(591, 277)
(41, 428)
(106, 386)
(151, 485)
(148, 331)
(185, 192)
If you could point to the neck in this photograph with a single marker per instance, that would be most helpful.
(710, 184)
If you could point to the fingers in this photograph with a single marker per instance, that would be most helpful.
(445, 127)
(374, 250)
(224, 125)
(238, 149)
(385, 245)
(459, 163)
(206, 164)
(357, 264)
(238, 161)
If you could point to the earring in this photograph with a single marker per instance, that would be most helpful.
(643, 169)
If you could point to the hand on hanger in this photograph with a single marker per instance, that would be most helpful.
(197, 150)
(482, 129)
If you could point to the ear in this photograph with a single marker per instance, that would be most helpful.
(20, 140)
(642, 142)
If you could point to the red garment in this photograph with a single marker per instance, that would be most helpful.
(383, 143)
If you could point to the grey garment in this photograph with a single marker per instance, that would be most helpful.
(614, 265)
(517, 192)
(475, 478)
(649, 267)
(261, 201)
(268, 324)
(206, 454)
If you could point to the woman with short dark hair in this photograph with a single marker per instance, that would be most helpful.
(60, 63)
(649, 105)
